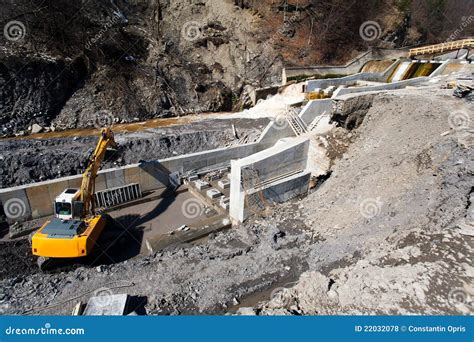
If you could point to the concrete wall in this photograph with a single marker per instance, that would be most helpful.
(275, 130)
(315, 108)
(287, 188)
(200, 160)
(443, 67)
(32, 201)
(311, 85)
(387, 86)
(353, 67)
(291, 158)
(279, 128)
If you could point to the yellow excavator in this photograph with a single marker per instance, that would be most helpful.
(75, 227)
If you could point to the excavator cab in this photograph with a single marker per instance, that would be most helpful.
(66, 205)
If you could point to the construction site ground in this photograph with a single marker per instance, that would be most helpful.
(64, 155)
(390, 231)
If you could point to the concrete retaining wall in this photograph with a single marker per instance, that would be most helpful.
(32, 201)
(291, 158)
(209, 158)
(387, 86)
(311, 85)
(279, 128)
(443, 67)
(353, 67)
(275, 130)
(287, 188)
(315, 108)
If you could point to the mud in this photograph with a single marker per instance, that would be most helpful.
(16, 259)
(25, 161)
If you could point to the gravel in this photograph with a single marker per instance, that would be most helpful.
(380, 235)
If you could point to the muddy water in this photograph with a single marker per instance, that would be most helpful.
(122, 128)
(265, 295)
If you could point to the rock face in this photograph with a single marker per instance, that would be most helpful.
(34, 90)
(64, 63)
(124, 62)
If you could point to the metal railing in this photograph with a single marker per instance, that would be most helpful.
(122, 194)
(437, 48)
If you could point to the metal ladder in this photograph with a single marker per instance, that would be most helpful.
(296, 123)
(316, 121)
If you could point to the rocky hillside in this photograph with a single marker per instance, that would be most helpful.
(66, 64)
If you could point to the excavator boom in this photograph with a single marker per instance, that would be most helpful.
(87, 190)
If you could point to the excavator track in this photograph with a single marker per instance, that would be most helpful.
(48, 264)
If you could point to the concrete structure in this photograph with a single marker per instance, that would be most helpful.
(33, 201)
(385, 86)
(442, 47)
(257, 175)
(193, 178)
(279, 128)
(395, 73)
(201, 185)
(107, 305)
(224, 184)
(352, 67)
(213, 193)
(314, 85)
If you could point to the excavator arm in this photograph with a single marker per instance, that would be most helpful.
(87, 190)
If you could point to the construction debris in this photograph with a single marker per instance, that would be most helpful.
(107, 305)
